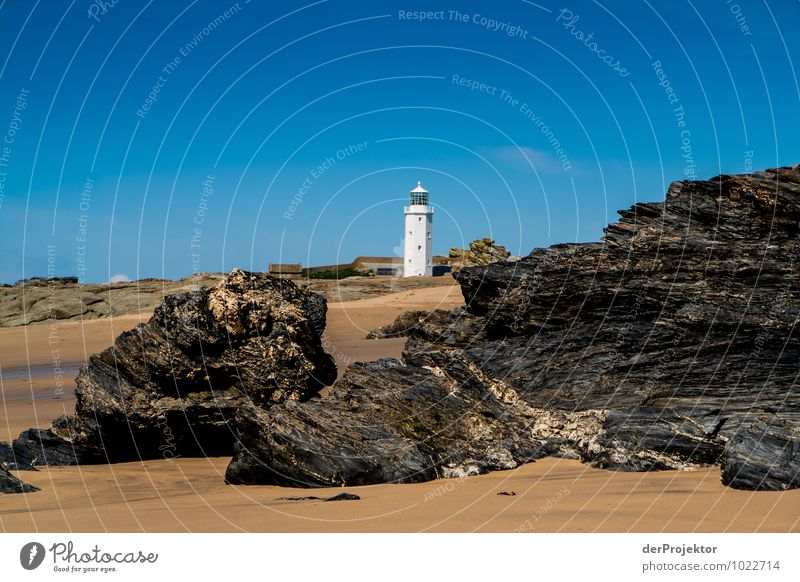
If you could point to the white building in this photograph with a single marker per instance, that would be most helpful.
(417, 256)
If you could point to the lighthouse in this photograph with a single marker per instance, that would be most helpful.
(417, 256)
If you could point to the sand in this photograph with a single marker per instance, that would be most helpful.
(550, 495)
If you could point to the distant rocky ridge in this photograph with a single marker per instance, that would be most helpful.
(673, 344)
(171, 386)
(63, 299)
(43, 299)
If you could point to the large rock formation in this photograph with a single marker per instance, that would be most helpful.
(671, 344)
(169, 387)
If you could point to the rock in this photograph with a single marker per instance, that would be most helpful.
(11, 484)
(339, 497)
(169, 387)
(302, 447)
(36, 447)
(764, 457)
(362, 270)
(405, 324)
(659, 348)
(481, 252)
(344, 497)
(648, 438)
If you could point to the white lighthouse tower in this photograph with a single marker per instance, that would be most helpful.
(417, 256)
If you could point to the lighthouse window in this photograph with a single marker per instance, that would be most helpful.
(429, 235)
(419, 247)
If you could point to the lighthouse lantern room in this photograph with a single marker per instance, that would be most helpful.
(417, 256)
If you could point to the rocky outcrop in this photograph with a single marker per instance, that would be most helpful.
(11, 484)
(671, 344)
(481, 252)
(362, 270)
(170, 387)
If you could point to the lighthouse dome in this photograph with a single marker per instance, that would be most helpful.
(419, 189)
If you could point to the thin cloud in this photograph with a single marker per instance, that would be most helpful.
(525, 159)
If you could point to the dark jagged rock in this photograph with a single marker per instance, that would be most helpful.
(404, 424)
(405, 323)
(661, 347)
(169, 387)
(650, 438)
(765, 457)
(11, 484)
(58, 445)
(343, 497)
(339, 497)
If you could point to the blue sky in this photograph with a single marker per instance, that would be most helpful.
(218, 134)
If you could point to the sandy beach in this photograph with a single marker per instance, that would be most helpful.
(189, 494)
